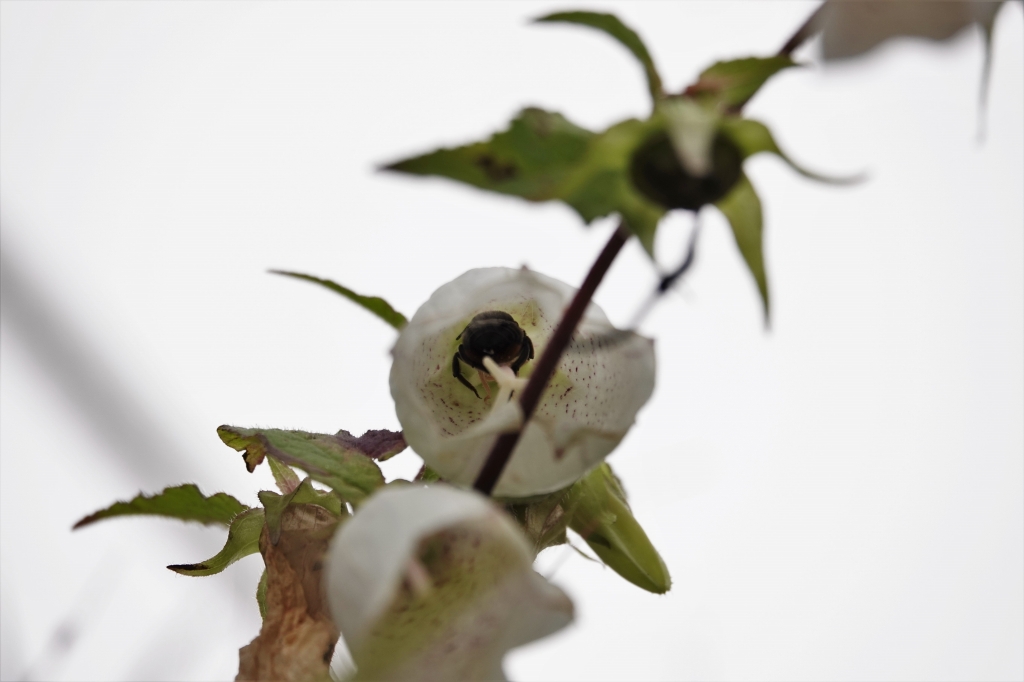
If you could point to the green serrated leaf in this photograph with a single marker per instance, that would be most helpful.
(184, 502)
(543, 157)
(261, 594)
(732, 83)
(375, 304)
(529, 160)
(329, 459)
(753, 137)
(742, 209)
(274, 504)
(599, 513)
(243, 540)
(611, 25)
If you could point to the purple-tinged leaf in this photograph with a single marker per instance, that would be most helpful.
(329, 459)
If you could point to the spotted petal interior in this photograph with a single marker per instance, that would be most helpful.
(602, 380)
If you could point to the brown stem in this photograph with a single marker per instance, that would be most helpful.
(808, 29)
(545, 367)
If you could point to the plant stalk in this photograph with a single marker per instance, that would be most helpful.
(500, 453)
(806, 30)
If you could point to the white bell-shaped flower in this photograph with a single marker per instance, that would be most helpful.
(436, 583)
(602, 380)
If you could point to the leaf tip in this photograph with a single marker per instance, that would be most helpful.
(402, 166)
(250, 464)
(187, 569)
(84, 521)
(546, 19)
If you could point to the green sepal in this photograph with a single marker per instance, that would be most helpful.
(330, 459)
(274, 504)
(284, 476)
(184, 502)
(611, 25)
(742, 209)
(375, 304)
(243, 540)
(426, 475)
(753, 137)
(261, 594)
(543, 157)
(599, 513)
(544, 521)
(600, 184)
(732, 83)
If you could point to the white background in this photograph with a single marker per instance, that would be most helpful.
(837, 498)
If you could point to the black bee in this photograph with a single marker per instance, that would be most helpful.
(493, 334)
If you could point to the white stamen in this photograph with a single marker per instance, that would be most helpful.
(419, 579)
(506, 379)
(483, 380)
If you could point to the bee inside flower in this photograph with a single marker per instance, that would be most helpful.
(490, 319)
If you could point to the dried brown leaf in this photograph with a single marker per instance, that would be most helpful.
(298, 636)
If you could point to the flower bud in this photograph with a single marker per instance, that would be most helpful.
(602, 380)
(600, 514)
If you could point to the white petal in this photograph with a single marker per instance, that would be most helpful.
(460, 629)
(600, 383)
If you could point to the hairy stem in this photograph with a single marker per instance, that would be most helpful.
(545, 367)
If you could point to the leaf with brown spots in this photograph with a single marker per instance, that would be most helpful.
(542, 156)
(297, 639)
(530, 159)
(340, 461)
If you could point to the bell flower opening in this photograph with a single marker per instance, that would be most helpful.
(604, 377)
(436, 582)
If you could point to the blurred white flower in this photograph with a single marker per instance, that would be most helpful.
(601, 382)
(436, 583)
(850, 29)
